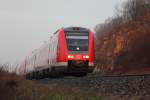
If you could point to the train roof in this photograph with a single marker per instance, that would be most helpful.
(76, 29)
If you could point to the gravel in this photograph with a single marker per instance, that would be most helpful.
(116, 85)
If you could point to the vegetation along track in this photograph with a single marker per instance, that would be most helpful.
(117, 85)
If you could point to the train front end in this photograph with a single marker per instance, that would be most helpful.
(80, 49)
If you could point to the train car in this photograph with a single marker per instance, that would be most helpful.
(69, 50)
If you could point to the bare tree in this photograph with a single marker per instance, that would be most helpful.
(4, 67)
(135, 8)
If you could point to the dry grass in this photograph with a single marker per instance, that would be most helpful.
(13, 87)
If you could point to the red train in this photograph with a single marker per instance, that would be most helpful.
(69, 50)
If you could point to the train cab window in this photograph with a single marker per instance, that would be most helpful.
(77, 41)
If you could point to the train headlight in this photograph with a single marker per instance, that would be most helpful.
(86, 57)
(70, 56)
(78, 48)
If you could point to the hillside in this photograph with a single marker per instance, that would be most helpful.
(123, 44)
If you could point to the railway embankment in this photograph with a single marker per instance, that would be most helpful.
(117, 87)
(91, 87)
(14, 87)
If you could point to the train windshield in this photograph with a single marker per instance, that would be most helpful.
(77, 41)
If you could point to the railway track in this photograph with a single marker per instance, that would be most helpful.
(116, 84)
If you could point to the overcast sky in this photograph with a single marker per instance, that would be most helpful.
(25, 24)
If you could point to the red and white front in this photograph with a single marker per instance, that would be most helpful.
(75, 46)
